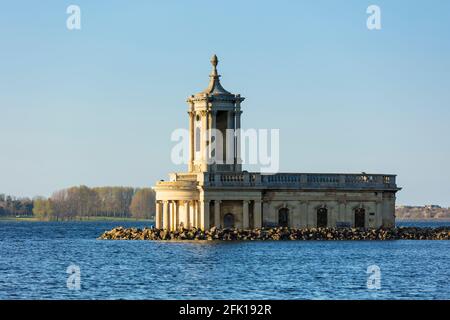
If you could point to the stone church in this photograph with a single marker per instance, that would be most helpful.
(219, 193)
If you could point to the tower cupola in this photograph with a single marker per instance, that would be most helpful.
(214, 124)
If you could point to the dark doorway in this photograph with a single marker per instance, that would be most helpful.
(283, 217)
(322, 218)
(360, 218)
(228, 221)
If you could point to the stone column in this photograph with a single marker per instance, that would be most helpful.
(204, 137)
(378, 213)
(194, 214)
(343, 212)
(245, 222)
(166, 215)
(198, 210)
(187, 222)
(172, 215)
(257, 214)
(230, 151)
(238, 160)
(204, 214)
(158, 215)
(191, 140)
(212, 136)
(309, 222)
(303, 214)
(217, 214)
(176, 213)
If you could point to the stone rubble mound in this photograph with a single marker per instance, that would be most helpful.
(267, 234)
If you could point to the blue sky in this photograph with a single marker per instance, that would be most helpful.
(97, 106)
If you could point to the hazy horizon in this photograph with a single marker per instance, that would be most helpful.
(97, 106)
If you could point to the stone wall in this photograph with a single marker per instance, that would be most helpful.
(253, 208)
(379, 208)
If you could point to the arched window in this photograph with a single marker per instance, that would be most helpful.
(283, 217)
(322, 218)
(228, 221)
(360, 218)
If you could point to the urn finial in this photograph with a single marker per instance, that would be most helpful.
(214, 62)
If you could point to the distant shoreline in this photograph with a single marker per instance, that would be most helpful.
(423, 219)
(87, 219)
(120, 219)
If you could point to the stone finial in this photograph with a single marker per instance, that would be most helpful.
(214, 86)
(214, 62)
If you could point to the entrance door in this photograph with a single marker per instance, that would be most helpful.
(228, 221)
(322, 218)
(283, 217)
(360, 218)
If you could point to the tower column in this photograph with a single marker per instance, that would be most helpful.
(238, 113)
(204, 139)
(212, 136)
(191, 139)
(166, 216)
(230, 139)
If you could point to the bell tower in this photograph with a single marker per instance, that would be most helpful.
(214, 126)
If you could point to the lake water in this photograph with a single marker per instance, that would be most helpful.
(34, 257)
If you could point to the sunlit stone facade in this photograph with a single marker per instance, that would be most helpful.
(219, 194)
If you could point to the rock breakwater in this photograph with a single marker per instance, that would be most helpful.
(267, 234)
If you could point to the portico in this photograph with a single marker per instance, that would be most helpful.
(172, 214)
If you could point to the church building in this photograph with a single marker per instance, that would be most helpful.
(219, 193)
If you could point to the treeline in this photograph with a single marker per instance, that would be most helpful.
(84, 202)
(11, 206)
(422, 212)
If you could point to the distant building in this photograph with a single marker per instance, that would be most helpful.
(223, 195)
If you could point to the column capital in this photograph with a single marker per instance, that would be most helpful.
(204, 112)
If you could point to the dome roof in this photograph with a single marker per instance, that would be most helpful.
(214, 86)
(215, 91)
